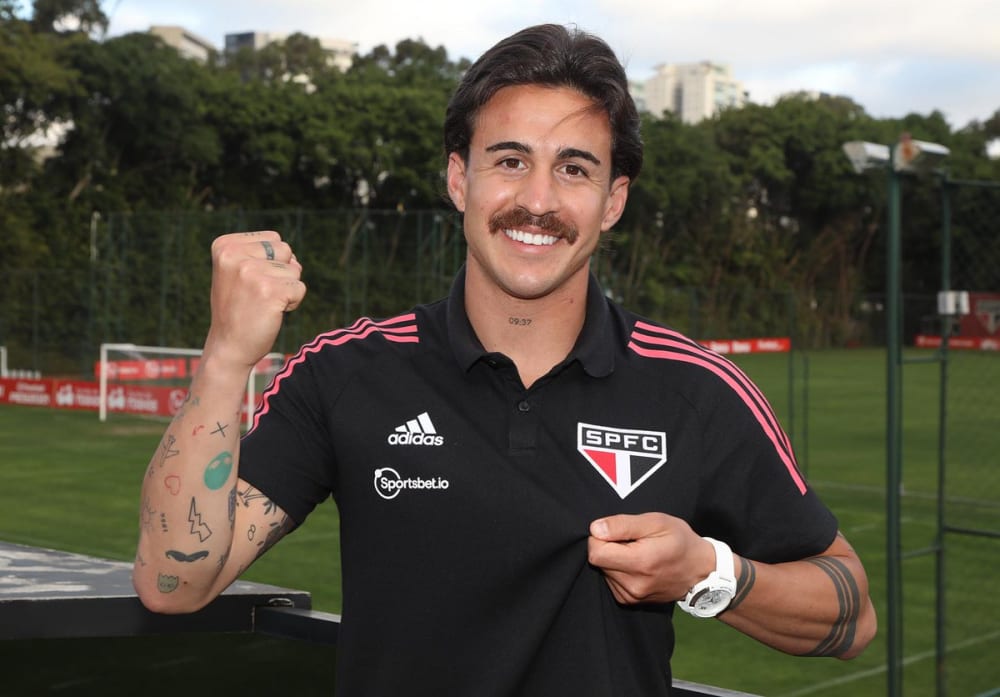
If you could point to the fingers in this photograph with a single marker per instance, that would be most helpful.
(296, 292)
(643, 557)
(266, 245)
(625, 528)
(256, 279)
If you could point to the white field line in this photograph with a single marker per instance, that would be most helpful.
(907, 493)
(916, 658)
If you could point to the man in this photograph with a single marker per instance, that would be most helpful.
(528, 476)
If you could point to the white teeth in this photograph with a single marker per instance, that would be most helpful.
(528, 238)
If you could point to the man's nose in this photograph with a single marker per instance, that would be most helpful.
(538, 192)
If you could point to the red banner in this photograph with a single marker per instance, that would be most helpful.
(72, 394)
(32, 393)
(781, 344)
(149, 369)
(168, 368)
(962, 343)
(154, 400)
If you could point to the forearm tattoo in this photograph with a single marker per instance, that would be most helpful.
(744, 583)
(841, 635)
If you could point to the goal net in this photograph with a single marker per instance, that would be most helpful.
(153, 380)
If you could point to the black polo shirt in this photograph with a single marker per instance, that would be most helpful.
(465, 499)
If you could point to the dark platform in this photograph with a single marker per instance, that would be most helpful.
(48, 594)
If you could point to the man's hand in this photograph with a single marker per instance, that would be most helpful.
(255, 281)
(649, 558)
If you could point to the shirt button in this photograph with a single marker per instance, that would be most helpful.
(524, 406)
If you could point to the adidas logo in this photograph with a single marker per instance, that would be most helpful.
(418, 431)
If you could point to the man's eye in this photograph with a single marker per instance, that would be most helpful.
(575, 170)
(511, 163)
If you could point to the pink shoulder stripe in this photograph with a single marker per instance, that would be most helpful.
(679, 341)
(400, 330)
(679, 348)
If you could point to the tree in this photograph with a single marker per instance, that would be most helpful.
(299, 58)
(139, 137)
(34, 87)
(85, 16)
(412, 64)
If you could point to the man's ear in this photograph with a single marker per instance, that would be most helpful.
(615, 205)
(456, 181)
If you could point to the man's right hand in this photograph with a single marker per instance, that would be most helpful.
(256, 279)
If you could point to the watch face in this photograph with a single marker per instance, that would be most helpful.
(712, 598)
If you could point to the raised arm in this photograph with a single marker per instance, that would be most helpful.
(814, 607)
(200, 525)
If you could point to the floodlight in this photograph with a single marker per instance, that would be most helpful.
(865, 156)
(918, 156)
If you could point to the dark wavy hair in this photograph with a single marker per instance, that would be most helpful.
(554, 56)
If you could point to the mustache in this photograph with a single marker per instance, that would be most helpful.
(517, 218)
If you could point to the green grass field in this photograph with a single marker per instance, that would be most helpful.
(69, 482)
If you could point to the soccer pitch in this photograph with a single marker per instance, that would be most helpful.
(70, 482)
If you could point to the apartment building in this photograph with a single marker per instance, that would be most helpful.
(187, 43)
(692, 91)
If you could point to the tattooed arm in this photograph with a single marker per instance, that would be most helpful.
(200, 525)
(813, 607)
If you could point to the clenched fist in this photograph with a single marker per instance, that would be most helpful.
(256, 279)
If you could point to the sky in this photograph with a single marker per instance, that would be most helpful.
(890, 56)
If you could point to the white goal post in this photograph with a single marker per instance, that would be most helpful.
(124, 364)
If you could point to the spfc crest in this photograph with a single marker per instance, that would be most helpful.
(625, 457)
(987, 310)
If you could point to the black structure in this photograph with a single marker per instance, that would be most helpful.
(48, 594)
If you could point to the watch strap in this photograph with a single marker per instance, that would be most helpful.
(721, 579)
(724, 565)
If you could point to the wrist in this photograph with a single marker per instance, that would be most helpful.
(221, 377)
(716, 589)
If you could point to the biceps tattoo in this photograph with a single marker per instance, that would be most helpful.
(275, 532)
(849, 599)
(275, 529)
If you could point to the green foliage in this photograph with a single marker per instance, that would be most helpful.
(756, 200)
(85, 16)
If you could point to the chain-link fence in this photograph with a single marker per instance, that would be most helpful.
(950, 443)
(970, 478)
(145, 279)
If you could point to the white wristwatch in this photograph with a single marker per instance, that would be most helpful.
(712, 595)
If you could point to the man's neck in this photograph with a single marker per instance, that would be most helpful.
(535, 334)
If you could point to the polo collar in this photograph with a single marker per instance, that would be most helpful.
(594, 346)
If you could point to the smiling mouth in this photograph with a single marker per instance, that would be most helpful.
(513, 222)
(536, 239)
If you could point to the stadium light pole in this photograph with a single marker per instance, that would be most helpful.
(908, 156)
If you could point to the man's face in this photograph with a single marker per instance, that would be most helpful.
(536, 190)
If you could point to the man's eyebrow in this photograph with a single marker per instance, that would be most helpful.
(509, 145)
(576, 153)
(564, 154)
